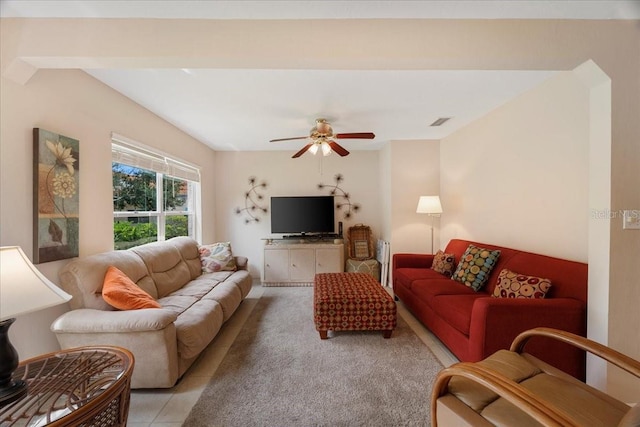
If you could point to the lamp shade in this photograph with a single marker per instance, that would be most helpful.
(429, 205)
(23, 288)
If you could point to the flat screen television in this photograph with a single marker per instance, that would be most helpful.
(303, 215)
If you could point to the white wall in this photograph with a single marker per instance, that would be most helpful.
(414, 172)
(74, 104)
(518, 177)
(290, 177)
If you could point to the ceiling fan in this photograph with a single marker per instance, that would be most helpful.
(322, 137)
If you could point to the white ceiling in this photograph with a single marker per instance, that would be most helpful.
(323, 9)
(242, 109)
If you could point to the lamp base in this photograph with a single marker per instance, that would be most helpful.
(14, 391)
(10, 389)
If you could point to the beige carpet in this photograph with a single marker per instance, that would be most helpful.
(279, 373)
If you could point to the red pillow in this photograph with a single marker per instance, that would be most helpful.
(122, 293)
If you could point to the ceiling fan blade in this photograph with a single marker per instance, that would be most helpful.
(289, 139)
(338, 148)
(356, 135)
(301, 152)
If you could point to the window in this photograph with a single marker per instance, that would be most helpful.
(154, 197)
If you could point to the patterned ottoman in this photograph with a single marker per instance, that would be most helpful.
(352, 302)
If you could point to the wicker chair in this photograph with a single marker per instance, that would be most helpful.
(513, 388)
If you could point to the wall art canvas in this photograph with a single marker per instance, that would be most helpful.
(56, 162)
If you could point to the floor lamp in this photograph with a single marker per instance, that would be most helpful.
(431, 206)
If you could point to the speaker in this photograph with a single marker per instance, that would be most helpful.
(340, 228)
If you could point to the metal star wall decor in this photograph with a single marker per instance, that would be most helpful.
(335, 190)
(252, 200)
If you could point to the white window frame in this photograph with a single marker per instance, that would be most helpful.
(135, 154)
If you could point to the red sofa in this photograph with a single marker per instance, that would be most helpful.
(474, 325)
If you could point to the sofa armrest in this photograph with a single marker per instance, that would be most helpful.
(241, 262)
(87, 320)
(495, 322)
(412, 261)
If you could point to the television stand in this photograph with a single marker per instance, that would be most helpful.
(296, 263)
(294, 236)
(311, 237)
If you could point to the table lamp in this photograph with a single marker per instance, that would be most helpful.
(430, 205)
(23, 289)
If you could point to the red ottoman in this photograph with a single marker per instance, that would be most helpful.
(352, 302)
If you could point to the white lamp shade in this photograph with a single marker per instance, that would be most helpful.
(326, 149)
(23, 289)
(429, 205)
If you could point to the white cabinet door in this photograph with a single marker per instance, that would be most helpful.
(329, 260)
(302, 265)
(276, 265)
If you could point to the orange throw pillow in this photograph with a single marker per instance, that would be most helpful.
(122, 293)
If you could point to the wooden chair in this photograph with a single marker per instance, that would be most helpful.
(513, 388)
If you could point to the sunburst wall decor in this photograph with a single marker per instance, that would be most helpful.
(335, 190)
(252, 202)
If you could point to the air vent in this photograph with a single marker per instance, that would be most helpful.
(440, 121)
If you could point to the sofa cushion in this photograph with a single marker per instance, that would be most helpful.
(228, 295)
(83, 277)
(119, 291)
(475, 266)
(166, 266)
(217, 257)
(427, 290)
(406, 276)
(197, 326)
(188, 249)
(177, 304)
(444, 263)
(456, 309)
(514, 285)
(197, 288)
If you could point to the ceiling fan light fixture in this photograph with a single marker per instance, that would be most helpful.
(326, 149)
(322, 137)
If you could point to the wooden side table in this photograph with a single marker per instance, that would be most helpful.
(85, 386)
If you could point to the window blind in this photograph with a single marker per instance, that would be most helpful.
(132, 153)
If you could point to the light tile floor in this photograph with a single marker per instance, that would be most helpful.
(170, 407)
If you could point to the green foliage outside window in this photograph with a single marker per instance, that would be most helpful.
(176, 226)
(129, 234)
(134, 190)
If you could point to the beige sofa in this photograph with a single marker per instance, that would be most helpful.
(164, 341)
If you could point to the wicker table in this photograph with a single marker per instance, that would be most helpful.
(86, 386)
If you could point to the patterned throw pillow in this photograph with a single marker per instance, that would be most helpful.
(475, 266)
(514, 285)
(217, 257)
(443, 263)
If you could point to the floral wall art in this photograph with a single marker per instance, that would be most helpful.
(55, 196)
